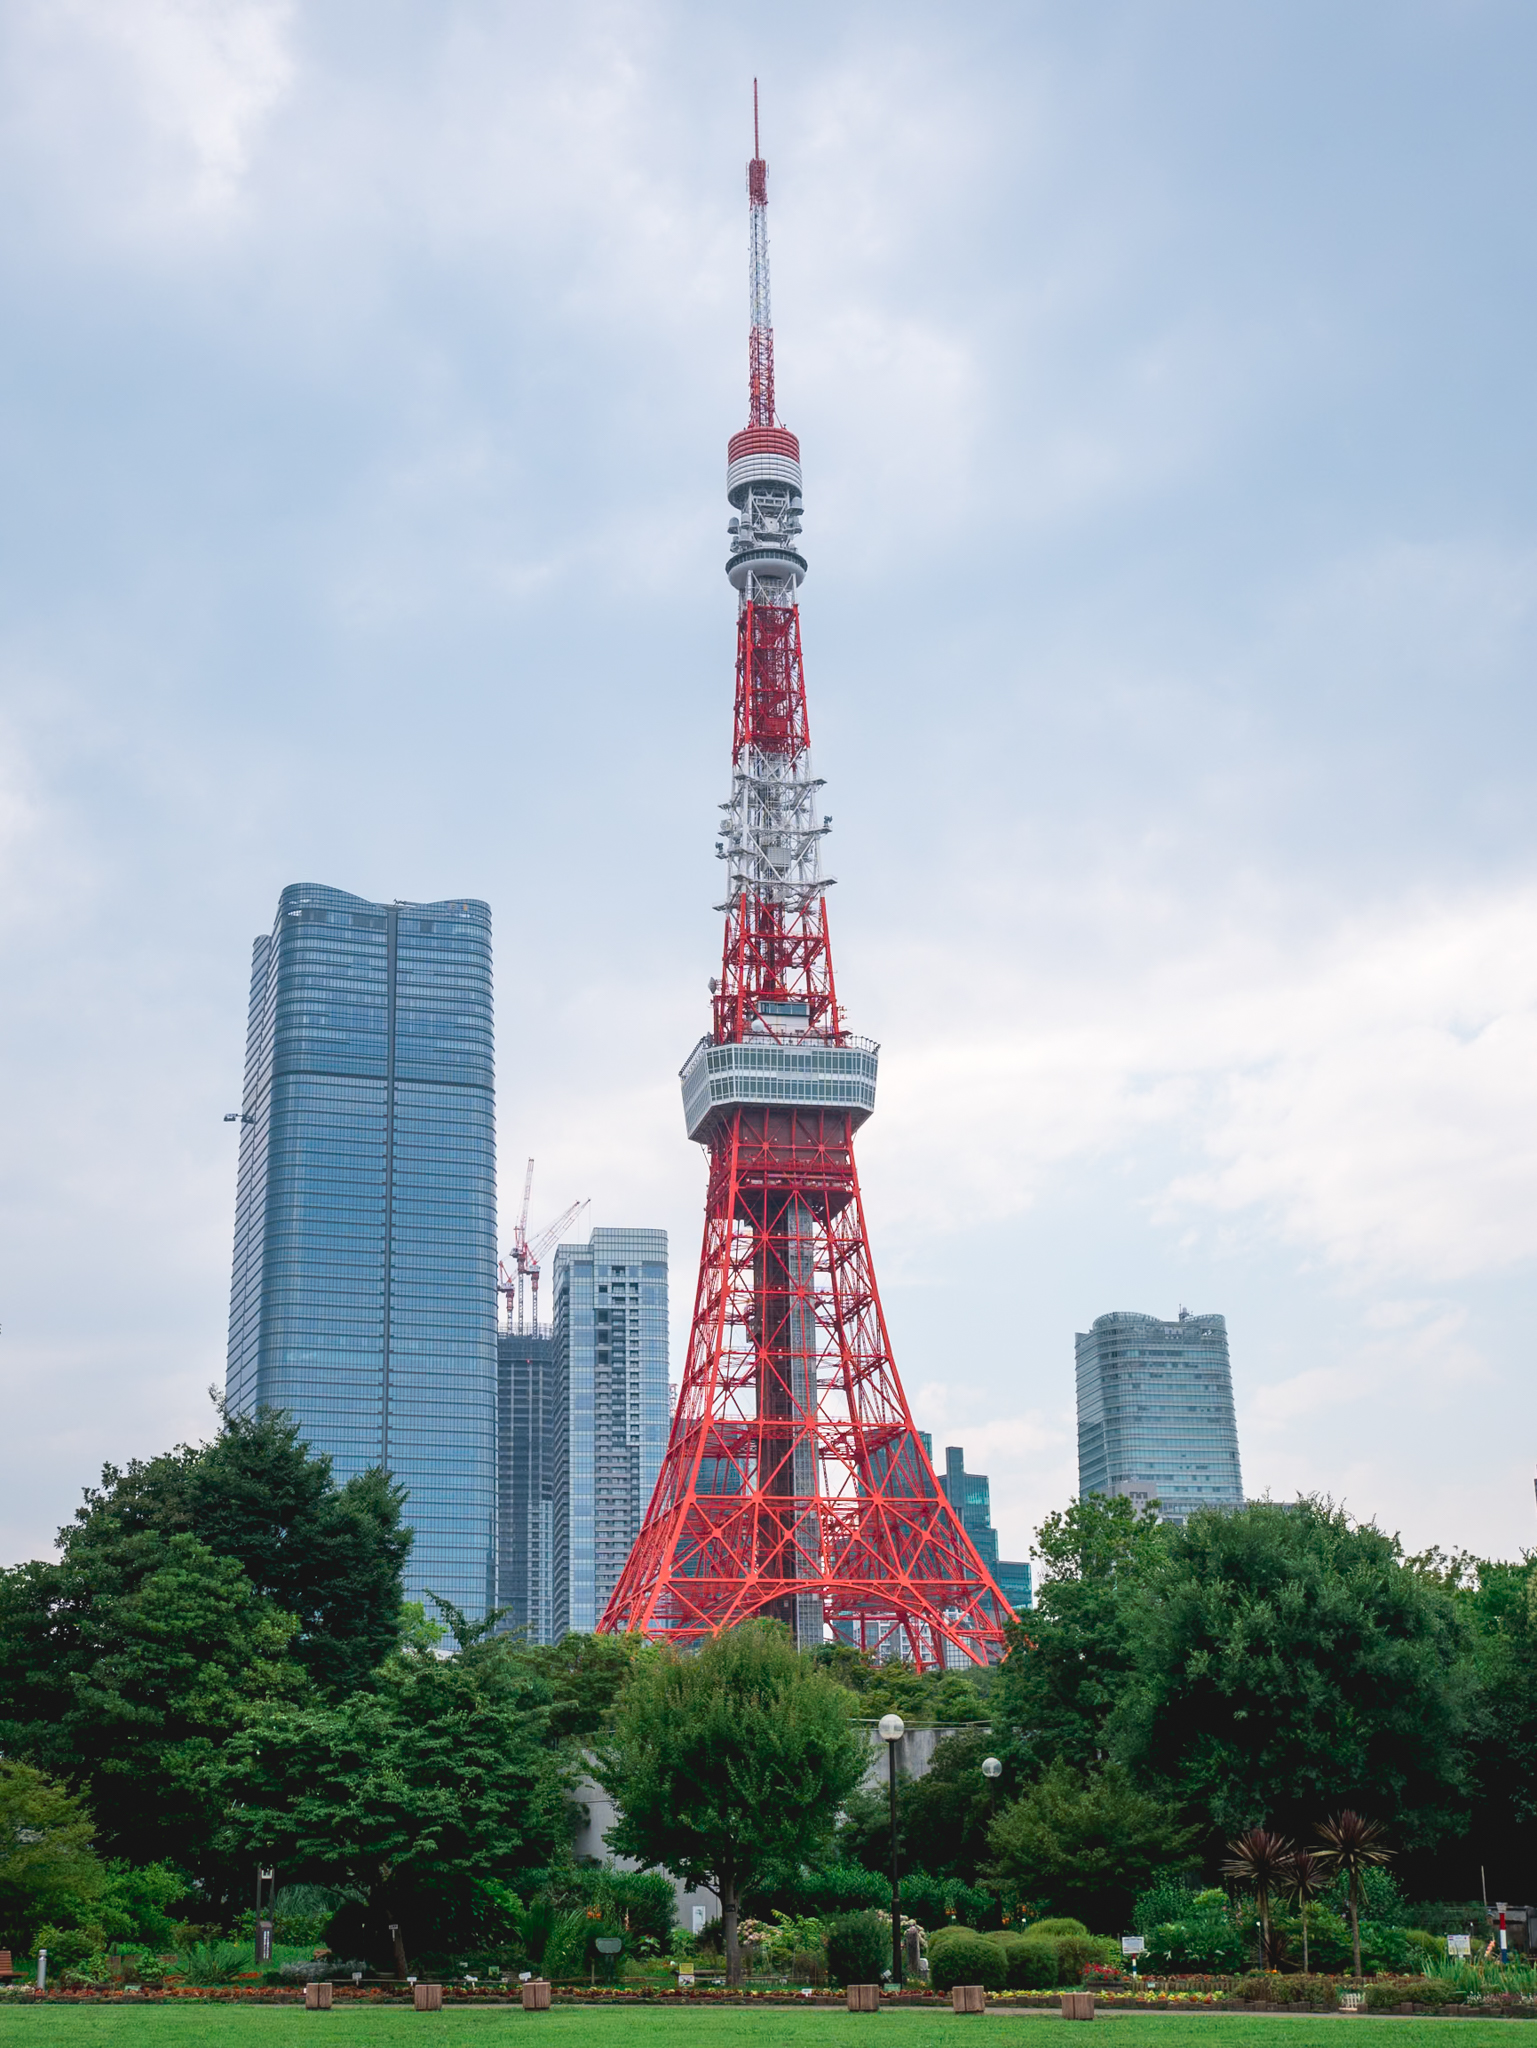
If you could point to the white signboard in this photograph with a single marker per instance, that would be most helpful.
(1457, 1944)
(1132, 1944)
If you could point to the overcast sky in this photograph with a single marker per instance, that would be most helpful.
(1163, 374)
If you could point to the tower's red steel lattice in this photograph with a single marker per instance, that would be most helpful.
(794, 1483)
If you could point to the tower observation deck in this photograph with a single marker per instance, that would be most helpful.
(794, 1483)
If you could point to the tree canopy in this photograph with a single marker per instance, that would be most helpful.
(190, 1591)
(729, 1760)
(1290, 1662)
(423, 1799)
(1086, 1843)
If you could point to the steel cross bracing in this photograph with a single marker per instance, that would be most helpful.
(794, 1483)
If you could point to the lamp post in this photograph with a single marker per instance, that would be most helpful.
(891, 1730)
(992, 1770)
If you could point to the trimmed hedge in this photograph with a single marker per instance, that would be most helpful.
(1032, 1964)
(953, 1930)
(967, 1958)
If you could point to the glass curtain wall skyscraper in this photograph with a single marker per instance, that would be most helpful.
(610, 1415)
(364, 1293)
(1155, 1413)
(971, 1496)
(525, 1542)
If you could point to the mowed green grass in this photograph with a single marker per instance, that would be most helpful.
(223, 2026)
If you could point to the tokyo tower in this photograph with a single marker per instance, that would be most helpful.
(794, 1484)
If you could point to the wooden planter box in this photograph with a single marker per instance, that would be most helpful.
(429, 1997)
(864, 1997)
(1078, 2005)
(536, 1996)
(969, 1997)
(317, 1997)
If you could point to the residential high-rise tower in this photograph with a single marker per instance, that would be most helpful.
(364, 1291)
(1155, 1412)
(608, 1420)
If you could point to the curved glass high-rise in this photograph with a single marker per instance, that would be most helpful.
(364, 1292)
(1155, 1412)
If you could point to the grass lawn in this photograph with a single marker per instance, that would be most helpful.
(223, 2026)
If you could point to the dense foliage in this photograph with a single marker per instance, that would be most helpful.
(218, 1667)
(1291, 1664)
(423, 1800)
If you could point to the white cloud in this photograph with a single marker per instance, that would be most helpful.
(1369, 1092)
(151, 108)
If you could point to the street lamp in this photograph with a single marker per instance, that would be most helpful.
(891, 1730)
(992, 1770)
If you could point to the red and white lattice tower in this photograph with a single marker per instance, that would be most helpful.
(794, 1483)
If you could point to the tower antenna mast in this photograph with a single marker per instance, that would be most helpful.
(760, 346)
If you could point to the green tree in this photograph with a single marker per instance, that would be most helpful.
(331, 1556)
(123, 1677)
(729, 1761)
(1352, 1846)
(1262, 1862)
(1073, 1657)
(189, 1590)
(1086, 1843)
(48, 1865)
(1288, 1660)
(1498, 1603)
(425, 1799)
(586, 1675)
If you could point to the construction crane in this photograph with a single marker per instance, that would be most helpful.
(526, 1255)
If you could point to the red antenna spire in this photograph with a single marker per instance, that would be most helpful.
(760, 346)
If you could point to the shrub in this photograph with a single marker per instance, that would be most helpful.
(642, 1901)
(952, 1930)
(1033, 1966)
(1010, 1943)
(69, 1948)
(858, 1947)
(1163, 1902)
(968, 1959)
(1075, 1952)
(1058, 1926)
(1298, 1990)
(565, 1949)
(1389, 1997)
(212, 1962)
(1207, 1938)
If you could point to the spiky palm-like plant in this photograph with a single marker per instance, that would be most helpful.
(1304, 1880)
(1353, 1845)
(1261, 1859)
